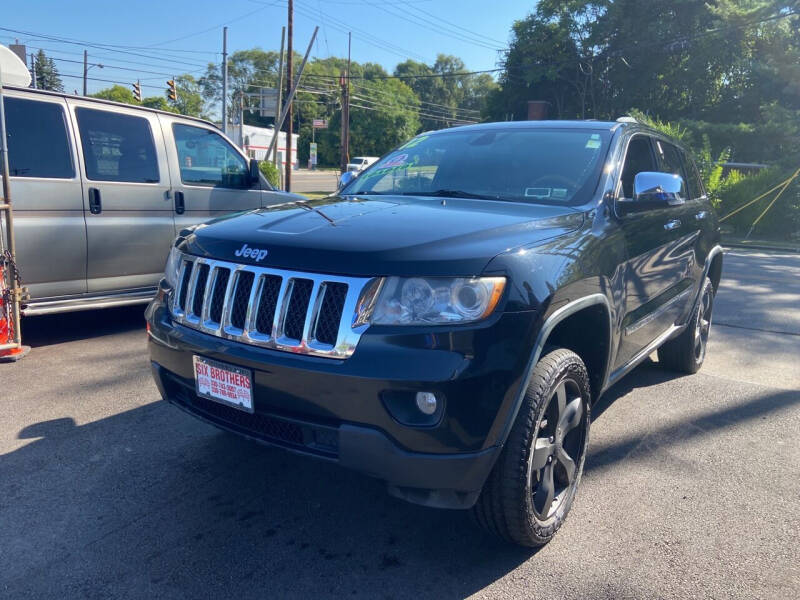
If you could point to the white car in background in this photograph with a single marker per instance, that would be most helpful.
(359, 163)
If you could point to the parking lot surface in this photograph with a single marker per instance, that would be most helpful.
(691, 488)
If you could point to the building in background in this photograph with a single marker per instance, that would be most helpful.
(255, 141)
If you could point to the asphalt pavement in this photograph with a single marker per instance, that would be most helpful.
(304, 180)
(691, 488)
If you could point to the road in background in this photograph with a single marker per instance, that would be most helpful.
(304, 180)
(690, 490)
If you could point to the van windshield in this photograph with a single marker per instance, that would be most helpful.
(545, 166)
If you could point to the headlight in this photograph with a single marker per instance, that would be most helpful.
(436, 300)
(173, 267)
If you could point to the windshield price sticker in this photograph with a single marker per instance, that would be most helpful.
(224, 383)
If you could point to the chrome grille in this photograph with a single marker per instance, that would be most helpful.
(303, 313)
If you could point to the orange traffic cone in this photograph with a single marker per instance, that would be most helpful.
(7, 326)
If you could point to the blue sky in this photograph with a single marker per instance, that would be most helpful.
(177, 36)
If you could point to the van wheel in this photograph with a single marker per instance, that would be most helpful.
(686, 353)
(531, 488)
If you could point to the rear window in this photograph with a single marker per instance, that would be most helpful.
(117, 147)
(38, 143)
(543, 166)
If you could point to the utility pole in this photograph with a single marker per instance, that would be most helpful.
(241, 120)
(347, 106)
(343, 133)
(344, 81)
(85, 70)
(224, 80)
(33, 69)
(278, 103)
(290, 27)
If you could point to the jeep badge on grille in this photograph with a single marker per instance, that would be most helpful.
(256, 253)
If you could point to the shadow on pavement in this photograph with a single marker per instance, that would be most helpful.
(45, 330)
(150, 503)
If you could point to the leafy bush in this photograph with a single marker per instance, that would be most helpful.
(732, 189)
(271, 172)
(782, 220)
(713, 174)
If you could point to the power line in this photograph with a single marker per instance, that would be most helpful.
(215, 27)
(428, 15)
(441, 30)
(58, 51)
(363, 35)
(447, 112)
(86, 44)
(444, 106)
(425, 76)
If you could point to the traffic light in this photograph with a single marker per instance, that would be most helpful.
(137, 92)
(172, 92)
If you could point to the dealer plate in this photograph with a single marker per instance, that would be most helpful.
(224, 383)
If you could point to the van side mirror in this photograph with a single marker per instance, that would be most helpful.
(652, 190)
(255, 172)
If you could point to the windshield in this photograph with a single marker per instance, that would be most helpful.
(545, 166)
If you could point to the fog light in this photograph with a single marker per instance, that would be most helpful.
(426, 402)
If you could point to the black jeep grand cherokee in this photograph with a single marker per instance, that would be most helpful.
(445, 322)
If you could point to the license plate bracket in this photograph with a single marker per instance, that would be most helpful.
(224, 383)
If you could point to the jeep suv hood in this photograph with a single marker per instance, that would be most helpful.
(381, 235)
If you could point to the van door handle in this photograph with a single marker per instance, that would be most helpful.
(180, 207)
(95, 205)
(674, 224)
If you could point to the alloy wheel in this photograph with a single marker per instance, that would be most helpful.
(702, 324)
(557, 449)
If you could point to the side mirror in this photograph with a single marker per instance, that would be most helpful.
(346, 178)
(653, 190)
(255, 172)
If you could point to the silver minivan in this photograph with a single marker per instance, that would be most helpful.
(100, 190)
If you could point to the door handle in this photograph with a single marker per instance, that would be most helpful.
(180, 206)
(95, 204)
(674, 224)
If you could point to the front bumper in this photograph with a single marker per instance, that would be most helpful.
(337, 409)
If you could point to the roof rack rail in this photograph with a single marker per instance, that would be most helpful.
(626, 119)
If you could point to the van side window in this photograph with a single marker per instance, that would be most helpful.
(207, 159)
(670, 159)
(638, 158)
(117, 147)
(38, 142)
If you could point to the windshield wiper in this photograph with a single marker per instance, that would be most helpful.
(304, 206)
(453, 194)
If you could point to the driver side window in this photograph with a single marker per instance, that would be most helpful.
(207, 159)
(638, 158)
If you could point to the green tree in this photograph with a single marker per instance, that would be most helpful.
(47, 77)
(159, 103)
(190, 96)
(447, 94)
(116, 93)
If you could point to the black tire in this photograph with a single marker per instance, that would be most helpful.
(686, 353)
(551, 432)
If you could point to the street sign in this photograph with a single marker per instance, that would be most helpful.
(312, 154)
(319, 124)
(265, 102)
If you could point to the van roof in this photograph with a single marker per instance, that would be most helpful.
(106, 102)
